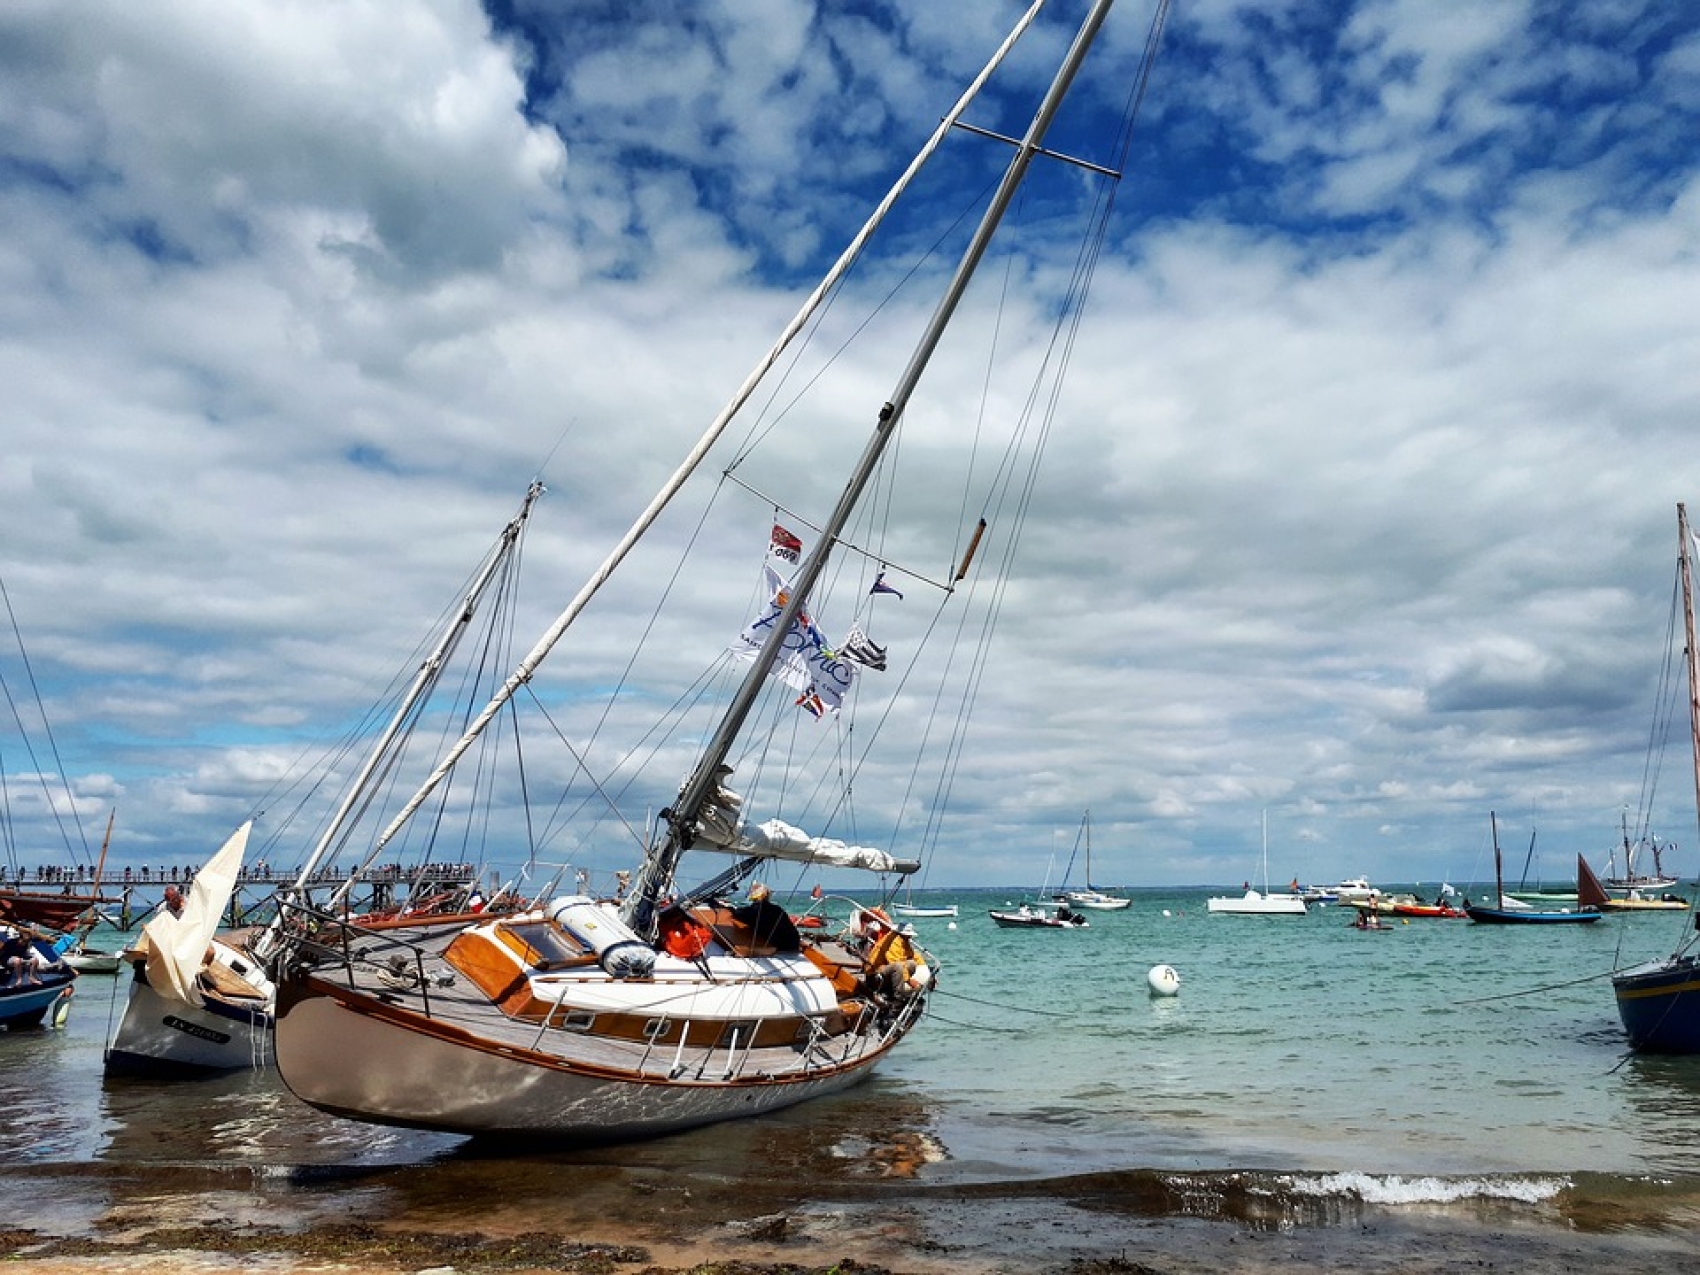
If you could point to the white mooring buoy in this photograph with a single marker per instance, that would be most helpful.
(1164, 981)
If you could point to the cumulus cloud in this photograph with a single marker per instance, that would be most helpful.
(1357, 507)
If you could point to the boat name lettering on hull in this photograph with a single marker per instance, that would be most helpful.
(196, 1030)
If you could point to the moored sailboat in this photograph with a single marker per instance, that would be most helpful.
(1629, 879)
(1262, 902)
(1510, 911)
(1592, 891)
(593, 1019)
(936, 910)
(1659, 1000)
(1090, 896)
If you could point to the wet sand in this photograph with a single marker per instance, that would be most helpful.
(867, 1183)
(603, 1220)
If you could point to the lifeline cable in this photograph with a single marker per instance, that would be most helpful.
(1550, 987)
(1025, 1009)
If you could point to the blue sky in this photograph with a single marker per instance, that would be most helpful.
(1360, 507)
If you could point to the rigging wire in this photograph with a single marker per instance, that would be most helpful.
(29, 748)
(1663, 726)
(1535, 991)
(763, 424)
(946, 994)
(1070, 316)
(1036, 419)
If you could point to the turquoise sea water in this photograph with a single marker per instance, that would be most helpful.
(1439, 1064)
(1437, 1047)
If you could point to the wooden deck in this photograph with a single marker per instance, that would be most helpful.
(408, 970)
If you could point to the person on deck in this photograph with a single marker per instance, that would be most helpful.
(770, 925)
(18, 958)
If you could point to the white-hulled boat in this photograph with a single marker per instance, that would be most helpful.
(593, 1020)
(1262, 902)
(1256, 903)
(1353, 891)
(1090, 896)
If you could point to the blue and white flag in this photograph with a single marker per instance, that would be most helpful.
(806, 662)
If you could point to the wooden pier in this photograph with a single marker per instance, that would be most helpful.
(128, 899)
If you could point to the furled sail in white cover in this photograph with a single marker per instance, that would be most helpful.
(177, 945)
(719, 827)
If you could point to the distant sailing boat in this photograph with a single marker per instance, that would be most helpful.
(1538, 893)
(1091, 897)
(1629, 878)
(1510, 911)
(1260, 903)
(590, 1020)
(911, 908)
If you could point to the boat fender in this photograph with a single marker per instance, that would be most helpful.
(901, 978)
(622, 953)
(630, 960)
(62, 1006)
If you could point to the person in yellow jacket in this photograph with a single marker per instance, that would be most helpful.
(894, 963)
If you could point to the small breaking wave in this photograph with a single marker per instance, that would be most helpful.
(1281, 1199)
(1397, 1189)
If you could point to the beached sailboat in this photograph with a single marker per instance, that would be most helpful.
(197, 1003)
(1510, 911)
(1659, 1000)
(591, 1020)
(201, 1001)
(1091, 897)
(1262, 902)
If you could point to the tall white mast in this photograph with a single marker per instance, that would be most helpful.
(546, 643)
(658, 867)
(423, 680)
